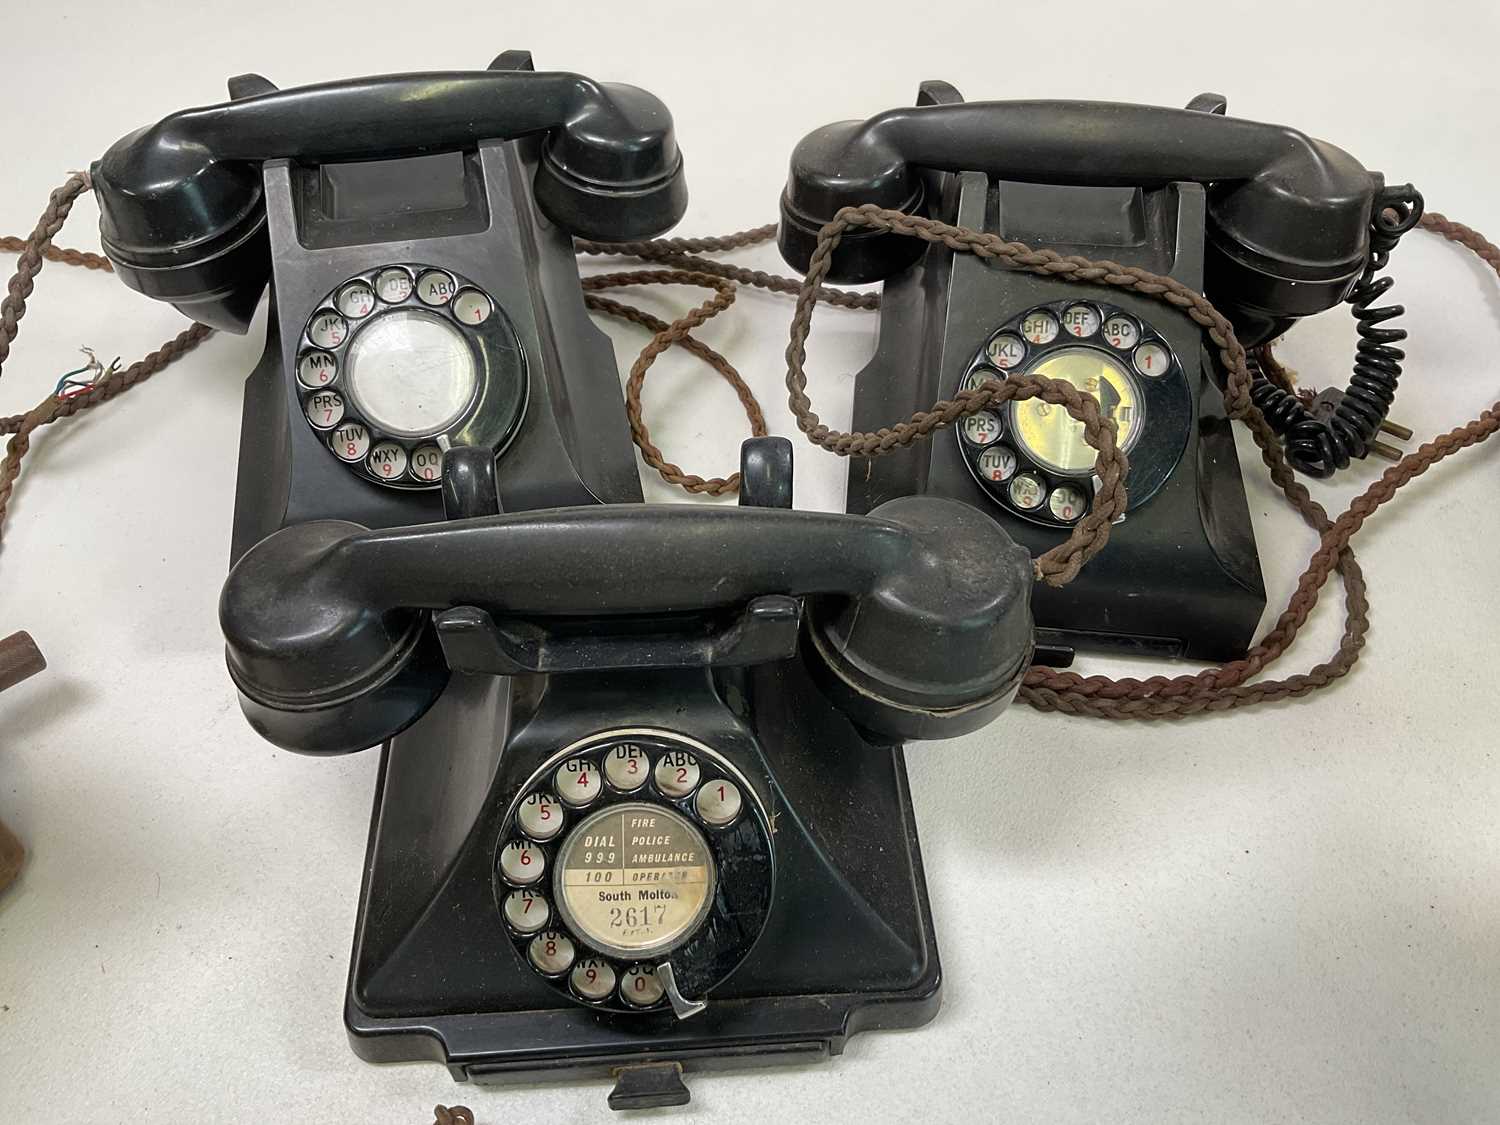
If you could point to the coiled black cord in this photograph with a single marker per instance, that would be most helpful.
(1318, 446)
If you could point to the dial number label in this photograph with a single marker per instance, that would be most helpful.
(526, 911)
(1067, 503)
(541, 816)
(1006, 351)
(627, 767)
(350, 442)
(1121, 332)
(1026, 492)
(427, 462)
(328, 330)
(1040, 327)
(551, 952)
(982, 428)
(640, 987)
(997, 464)
(393, 286)
(676, 773)
(593, 978)
(472, 307)
(316, 369)
(577, 782)
(718, 803)
(1152, 360)
(1080, 320)
(435, 288)
(522, 862)
(387, 460)
(325, 409)
(357, 300)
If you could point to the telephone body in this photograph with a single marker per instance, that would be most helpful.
(642, 803)
(1271, 225)
(416, 232)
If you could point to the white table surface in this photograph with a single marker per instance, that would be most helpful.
(1286, 915)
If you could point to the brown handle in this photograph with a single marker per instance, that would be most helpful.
(20, 659)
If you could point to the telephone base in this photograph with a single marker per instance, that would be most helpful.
(762, 1032)
(848, 944)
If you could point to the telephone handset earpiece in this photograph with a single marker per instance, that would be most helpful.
(1289, 217)
(182, 215)
(917, 617)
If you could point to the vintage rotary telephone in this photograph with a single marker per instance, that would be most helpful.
(643, 805)
(1270, 224)
(417, 232)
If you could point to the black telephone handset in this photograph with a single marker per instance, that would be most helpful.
(1271, 224)
(336, 634)
(417, 232)
(1288, 217)
(654, 749)
(183, 213)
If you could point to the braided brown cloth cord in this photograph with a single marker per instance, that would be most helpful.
(34, 251)
(682, 253)
(1220, 688)
(666, 335)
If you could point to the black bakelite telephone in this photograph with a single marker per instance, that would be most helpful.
(1270, 224)
(643, 804)
(417, 233)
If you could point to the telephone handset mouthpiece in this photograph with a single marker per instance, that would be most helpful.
(1289, 217)
(183, 219)
(917, 617)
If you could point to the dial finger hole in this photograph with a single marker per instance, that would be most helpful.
(551, 953)
(676, 773)
(593, 978)
(577, 782)
(522, 862)
(718, 803)
(627, 767)
(527, 912)
(541, 816)
(639, 986)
